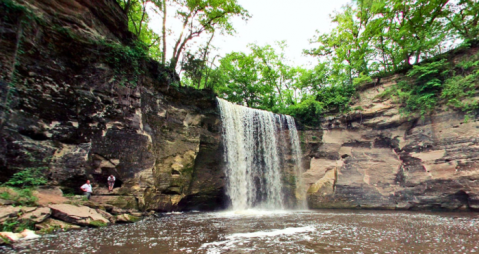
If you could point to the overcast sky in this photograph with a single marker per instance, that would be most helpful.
(276, 20)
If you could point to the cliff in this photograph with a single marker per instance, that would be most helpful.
(379, 158)
(80, 101)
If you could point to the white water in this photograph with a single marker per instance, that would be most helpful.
(296, 150)
(254, 143)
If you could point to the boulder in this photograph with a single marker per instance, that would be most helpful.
(7, 212)
(126, 218)
(28, 234)
(79, 215)
(13, 237)
(51, 224)
(38, 215)
(24, 235)
(107, 215)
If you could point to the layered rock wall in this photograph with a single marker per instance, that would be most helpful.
(378, 158)
(70, 108)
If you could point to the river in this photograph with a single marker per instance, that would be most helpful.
(312, 231)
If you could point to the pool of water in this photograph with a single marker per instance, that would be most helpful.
(316, 231)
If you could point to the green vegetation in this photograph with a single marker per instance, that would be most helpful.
(28, 177)
(428, 84)
(372, 39)
(19, 188)
(197, 17)
(98, 223)
(133, 56)
(50, 229)
(6, 240)
(12, 7)
(22, 197)
(134, 218)
(15, 225)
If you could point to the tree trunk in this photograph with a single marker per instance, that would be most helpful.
(205, 53)
(163, 57)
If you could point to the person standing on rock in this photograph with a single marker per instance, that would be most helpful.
(111, 182)
(86, 188)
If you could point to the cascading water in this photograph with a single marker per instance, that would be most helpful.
(254, 143)
(298, 169)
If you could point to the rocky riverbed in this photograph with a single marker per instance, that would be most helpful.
(54, 212)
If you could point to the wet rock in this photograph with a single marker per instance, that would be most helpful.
(28, 234)
(14, 237)
(127, 218)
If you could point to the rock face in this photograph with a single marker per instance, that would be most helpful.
(69, 109)
(377, 158)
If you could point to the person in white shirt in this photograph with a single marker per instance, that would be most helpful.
(86, 188)
(111, 182)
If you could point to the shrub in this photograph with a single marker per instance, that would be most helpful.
(28, 177)
(308, 111)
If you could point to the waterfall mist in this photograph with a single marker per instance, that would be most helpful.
(258, 146)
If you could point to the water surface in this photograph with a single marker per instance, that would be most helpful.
(323, 231)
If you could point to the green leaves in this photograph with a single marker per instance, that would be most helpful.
(379, 36)
(28, 177)
(435, 82)
(261, 79)
(196, 16)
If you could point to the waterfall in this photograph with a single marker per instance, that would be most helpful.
(256, 147)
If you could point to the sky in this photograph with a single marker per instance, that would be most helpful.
(294, 21)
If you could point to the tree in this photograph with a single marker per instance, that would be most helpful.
(138, 19)
(197, 17)
(260, 79)
(382, 35)
(463, 18)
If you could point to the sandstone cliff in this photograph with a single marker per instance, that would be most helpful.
(378, 158)
(75, 105)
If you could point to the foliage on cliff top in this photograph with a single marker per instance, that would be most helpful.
(438, 82)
